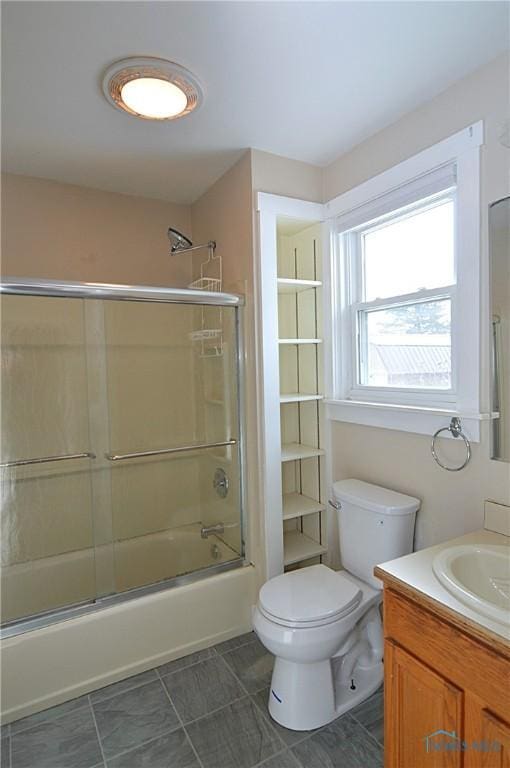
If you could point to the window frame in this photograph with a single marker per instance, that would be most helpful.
(460, 152)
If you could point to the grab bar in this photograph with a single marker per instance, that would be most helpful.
(44, 459)
(161, 451)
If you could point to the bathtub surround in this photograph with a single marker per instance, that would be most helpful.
(206, 710)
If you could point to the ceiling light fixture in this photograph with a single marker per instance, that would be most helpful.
(154, 89)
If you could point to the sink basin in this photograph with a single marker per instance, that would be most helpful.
(478, 576)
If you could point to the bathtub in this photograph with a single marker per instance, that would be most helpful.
(52, 664)
(70, 578)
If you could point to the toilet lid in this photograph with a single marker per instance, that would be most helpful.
(309, 595)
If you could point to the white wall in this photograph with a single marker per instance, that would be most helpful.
(452, 503)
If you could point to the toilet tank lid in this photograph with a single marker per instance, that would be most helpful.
(374, 497)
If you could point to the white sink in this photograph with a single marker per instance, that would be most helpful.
(478, 576)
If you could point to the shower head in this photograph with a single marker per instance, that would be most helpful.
(178, 241)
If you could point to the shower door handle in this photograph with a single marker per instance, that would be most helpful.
(46, 459)
(163, 451)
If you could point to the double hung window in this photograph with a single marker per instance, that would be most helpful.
(405, 292)
(402, 301)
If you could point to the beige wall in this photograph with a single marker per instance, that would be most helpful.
(66, 232)
(224, 214)
(482, 95)
(452, 503)
(283, 176)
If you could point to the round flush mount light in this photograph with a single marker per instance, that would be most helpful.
(150, 88)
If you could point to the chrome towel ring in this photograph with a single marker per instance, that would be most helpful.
(455, 428)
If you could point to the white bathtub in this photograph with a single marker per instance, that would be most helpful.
(44, 667)
(53, 582)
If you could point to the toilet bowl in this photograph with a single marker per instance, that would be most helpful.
(323, 626)
(307, 689)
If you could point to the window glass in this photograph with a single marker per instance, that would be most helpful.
(411, 253)
(407, 346)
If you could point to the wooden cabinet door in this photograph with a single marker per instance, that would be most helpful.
(423, 714)
(495, 746)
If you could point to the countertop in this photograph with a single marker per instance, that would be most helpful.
(413, 575)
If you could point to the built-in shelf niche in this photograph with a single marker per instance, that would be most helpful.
(299, 287)
(298, 547)
(293, 286)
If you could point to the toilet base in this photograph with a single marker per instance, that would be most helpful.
(307, 696)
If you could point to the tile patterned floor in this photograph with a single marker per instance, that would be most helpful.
(208, 710)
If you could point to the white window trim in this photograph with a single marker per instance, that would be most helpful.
(463, 150)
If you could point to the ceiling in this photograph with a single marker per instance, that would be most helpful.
(307, 80)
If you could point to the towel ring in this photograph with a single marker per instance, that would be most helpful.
(455, 429)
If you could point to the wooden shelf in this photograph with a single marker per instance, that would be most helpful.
(299, 397)
(297, 505)
(291, 285)
(299, 341)
(297, 547)
(295, 451)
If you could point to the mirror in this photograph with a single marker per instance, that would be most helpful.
(499, 249)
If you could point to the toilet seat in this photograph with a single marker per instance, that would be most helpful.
(309, 597)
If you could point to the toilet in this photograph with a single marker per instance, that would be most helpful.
(323, 626)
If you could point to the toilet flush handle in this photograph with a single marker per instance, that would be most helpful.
(335, 504)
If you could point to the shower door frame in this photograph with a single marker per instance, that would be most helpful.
(16, 286)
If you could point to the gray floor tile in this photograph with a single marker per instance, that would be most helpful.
(288, 736)
(253, 665)
(133, 717)
(237, 736)
(344, 744)
(202, 688)
(235, 642)
(5, 754)
(282, 760)
(69, 741)
(48, 715)
(170, 751)
(123, 685)
(186, 661)
(370, 713)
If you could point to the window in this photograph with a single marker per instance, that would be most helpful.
(404, 305)
(402, 283)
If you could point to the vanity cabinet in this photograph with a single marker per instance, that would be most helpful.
(447, 687)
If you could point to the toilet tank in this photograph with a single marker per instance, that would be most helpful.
(375, 525)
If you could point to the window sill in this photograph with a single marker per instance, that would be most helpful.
(404, 418)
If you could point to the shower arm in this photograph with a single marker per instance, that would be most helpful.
(211, 245)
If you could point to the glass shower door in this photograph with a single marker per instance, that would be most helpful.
(173, 439)
(47, 549)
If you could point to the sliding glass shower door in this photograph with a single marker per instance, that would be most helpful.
(172, 393)
(47, 550)
(120, 464)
